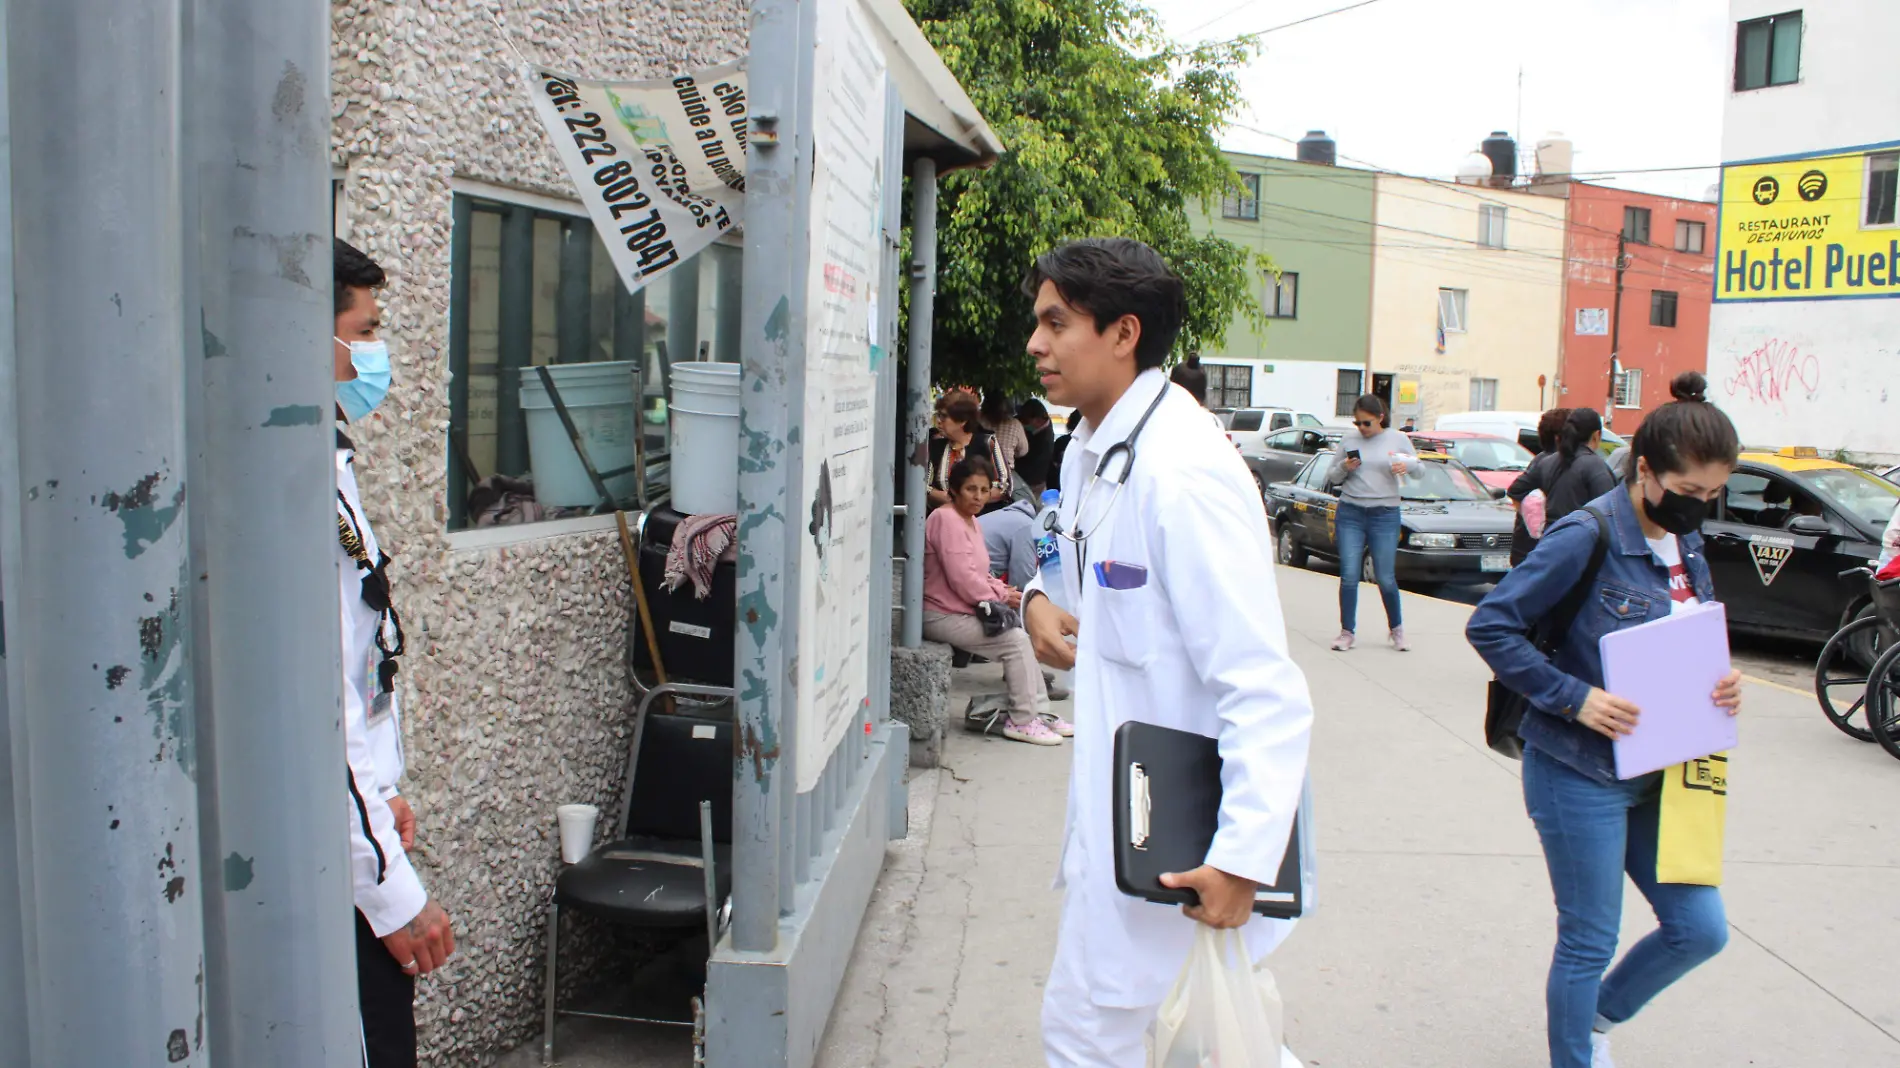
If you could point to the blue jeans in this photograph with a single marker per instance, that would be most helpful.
(1360, 530)
(1592, 833)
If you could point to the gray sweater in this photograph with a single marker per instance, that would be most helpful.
(1373, 485)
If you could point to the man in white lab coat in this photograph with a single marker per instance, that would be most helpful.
(1199, 645)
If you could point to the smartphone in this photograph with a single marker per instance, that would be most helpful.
(1352, 454)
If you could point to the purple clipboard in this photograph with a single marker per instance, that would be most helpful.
(1669, 669)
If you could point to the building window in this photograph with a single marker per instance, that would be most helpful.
(1636, 225)
(1229, 385)
(1491, 225)
(533, 286)
(1352, 385)
(1451, 310)
(1244, 202)
(1283, 295)
(1883, 174)
(1768, 52)
(1484, 394)
(1662, 308)
(1690, 235)
(1629, 388)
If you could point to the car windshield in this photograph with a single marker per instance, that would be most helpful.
(1481, 454)
(1310, 420)
(1434, 480)
(1867, 496)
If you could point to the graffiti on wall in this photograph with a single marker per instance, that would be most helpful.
(1773, 374)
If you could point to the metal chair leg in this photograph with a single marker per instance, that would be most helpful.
(554, 935)
(712, 881)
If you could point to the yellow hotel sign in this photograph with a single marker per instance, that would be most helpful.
(1796, 229)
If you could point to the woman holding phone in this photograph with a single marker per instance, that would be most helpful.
(1366, 472)
(1594, 826)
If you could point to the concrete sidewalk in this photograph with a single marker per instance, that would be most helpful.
(1435, 925)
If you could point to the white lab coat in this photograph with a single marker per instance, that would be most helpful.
(1201, 647)
(386, 887)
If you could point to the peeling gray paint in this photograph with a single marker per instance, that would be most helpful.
(144, 518)
(295, 415)
(238, 872)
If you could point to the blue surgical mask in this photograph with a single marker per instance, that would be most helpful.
(360, 395)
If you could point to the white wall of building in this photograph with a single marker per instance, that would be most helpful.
(1815, 372)
(1302, 385)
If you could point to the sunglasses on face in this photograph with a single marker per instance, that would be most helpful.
(1365, 422)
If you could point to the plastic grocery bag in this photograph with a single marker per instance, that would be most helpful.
(1221, 1013)
(1533, 510)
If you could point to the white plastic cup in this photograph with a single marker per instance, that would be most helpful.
(577, 831)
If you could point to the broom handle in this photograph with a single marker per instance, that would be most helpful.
(640, 599)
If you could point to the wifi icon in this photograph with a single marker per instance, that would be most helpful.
(1812, 186)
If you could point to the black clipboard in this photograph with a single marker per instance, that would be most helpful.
(1166, 810)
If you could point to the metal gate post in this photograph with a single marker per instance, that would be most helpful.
(280, 962)
(923, 306)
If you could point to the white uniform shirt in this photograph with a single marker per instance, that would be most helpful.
(1200, 647)
(386, 887)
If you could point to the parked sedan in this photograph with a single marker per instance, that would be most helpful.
(1496, 461)
(1452, 530)
(1279, 457)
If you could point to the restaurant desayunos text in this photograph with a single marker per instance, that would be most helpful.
(1797, 229)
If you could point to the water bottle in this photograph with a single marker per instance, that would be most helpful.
(1048, 546)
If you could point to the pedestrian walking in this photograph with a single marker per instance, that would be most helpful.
(1595, 827)
(1365, 470)
(1575, 474)
(957, 587)
(1524, 534)
(400, 931)
(1185, 631)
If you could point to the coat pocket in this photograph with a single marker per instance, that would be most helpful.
(1126, 619)
(1623, 607)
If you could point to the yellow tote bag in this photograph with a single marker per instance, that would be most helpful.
(1690, 827)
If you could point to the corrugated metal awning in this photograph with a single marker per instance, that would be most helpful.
(942, 122)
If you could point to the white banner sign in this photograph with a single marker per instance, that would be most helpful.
(1593, 322)
(847, 203)
(660, 164)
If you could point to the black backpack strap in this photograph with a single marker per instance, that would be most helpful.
(1557, 623)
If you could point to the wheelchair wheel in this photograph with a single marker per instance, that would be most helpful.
(1841, 674)
(1883, 702)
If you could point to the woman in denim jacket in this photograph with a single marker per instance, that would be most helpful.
(1593, 825)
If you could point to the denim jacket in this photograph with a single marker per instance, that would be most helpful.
(1632, 587)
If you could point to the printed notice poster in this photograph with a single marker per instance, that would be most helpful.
(1593, 322)
(841, 305)
(660, 164)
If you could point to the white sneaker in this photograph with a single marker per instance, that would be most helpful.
(1035, 732)
(1600, 1050)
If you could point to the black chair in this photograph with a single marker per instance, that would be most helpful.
(669, 863)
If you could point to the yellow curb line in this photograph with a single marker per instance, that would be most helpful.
(1777, 686)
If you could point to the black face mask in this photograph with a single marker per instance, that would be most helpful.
(1676, 513)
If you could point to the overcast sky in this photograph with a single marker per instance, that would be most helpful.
(1414, 85)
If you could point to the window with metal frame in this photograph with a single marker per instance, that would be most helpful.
(533, 286)
(1768, 51)
(1484, 394)
(1452, 306)
(1883, 176)
(1636, 225)
(1242, 203)
(1346, 393)
(1662, 307)
(1229, 385)
(1283, 295)
(1491, 225)
(1690, 235)
(1629, 388)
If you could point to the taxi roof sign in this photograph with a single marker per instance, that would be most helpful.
(1800, 452)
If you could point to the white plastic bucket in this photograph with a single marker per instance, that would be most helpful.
(705, 438)
(599, 398)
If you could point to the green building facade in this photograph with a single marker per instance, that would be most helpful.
(1315, 222)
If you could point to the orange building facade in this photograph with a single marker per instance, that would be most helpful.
(1659, 324)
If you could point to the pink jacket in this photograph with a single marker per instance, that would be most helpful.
(956, 565)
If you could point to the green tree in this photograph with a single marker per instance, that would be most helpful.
(1109, 131)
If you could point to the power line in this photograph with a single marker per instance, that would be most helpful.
(1275, 29)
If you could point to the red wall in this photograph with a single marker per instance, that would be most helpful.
(1595, 219)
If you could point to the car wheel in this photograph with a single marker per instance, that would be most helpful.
(1291, 553)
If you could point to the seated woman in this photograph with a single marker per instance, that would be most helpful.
(957, 578)
(961, 434)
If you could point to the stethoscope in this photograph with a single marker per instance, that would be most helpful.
(1122, 451)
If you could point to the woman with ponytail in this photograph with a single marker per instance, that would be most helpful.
(1576, 473)
(1594, 826)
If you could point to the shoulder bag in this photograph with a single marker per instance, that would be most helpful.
(1505, 708)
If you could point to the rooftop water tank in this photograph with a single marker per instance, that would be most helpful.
(1316, 147)
(1555, 155)
(1502, 152)
(1474, 169)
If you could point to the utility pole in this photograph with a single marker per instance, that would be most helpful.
(1616, 328)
